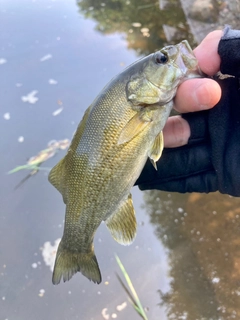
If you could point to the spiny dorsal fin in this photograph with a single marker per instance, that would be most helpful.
(122, 224)
(157, 148)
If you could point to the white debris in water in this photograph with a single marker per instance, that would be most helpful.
(18, 85)
(41, 293)
(99, 292)
(136, 24)
(105, 314)
(215, 280)
(121, 306)
(3, 298)
(52, 81)
(6, 116)
(114, 315)
(34, 265)
(58, 38)
(30, 97)
(20, 139)
(49, 253)
(180, 210)
(2, 61)
(145, 32)
(57, 112)
(46, 57)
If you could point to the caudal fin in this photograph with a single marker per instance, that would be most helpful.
(68, 263)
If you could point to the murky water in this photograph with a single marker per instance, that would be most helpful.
(55, 56)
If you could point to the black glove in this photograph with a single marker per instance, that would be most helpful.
(211, 159)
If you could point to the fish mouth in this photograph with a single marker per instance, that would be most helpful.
(183, 58)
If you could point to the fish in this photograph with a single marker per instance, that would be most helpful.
(119, 131)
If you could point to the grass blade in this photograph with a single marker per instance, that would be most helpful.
(131, 292)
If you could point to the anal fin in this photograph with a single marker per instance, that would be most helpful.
(56, 178)
(122, 224)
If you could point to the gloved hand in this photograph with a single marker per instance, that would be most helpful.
(210, 161)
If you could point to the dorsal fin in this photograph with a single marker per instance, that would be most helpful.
(56, 178)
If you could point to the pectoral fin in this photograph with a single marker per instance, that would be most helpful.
(122, 224)
(157, 148)
(134, 126)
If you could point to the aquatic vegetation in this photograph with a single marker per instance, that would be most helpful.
(131, 292)
(34, 163)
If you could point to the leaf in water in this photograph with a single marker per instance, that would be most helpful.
(6, 116)
(20, 139)
(2, 61)
(46, 57)
(56, 112)
(52, 81)
(34, 163)
(30, 97)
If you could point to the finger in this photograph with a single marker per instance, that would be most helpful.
(207, 53)
(176, 132)
(197, 94)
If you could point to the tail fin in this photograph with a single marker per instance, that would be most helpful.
(68, 263)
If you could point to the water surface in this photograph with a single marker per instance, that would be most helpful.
(55, 57)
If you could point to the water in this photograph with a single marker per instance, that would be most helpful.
(55, 57)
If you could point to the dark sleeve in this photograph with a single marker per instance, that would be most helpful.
(211, 159)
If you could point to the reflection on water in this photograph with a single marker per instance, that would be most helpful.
(55, 56)
(201, 233)
(142, 21)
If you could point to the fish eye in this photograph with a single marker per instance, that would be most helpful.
(161, 58)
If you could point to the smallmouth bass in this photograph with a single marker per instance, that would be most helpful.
(118, 132)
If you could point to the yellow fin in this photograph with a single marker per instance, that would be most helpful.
(132, 128)
(157, 148)
(122, 224)
(68, 263)
(56, 177)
